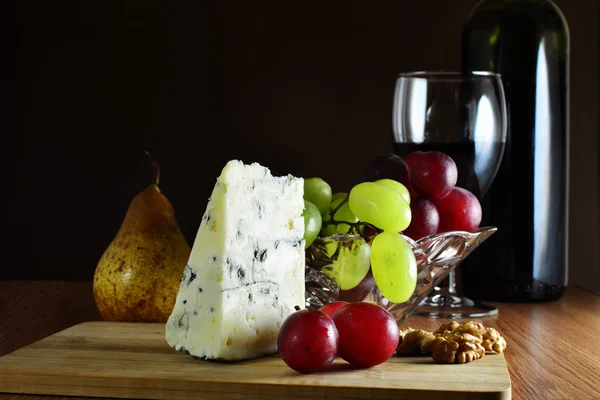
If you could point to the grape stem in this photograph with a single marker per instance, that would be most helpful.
(332, 212)
(354, 226)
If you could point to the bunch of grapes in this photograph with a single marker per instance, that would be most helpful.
(375, 212)
(416, 196)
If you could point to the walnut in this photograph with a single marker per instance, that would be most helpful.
(492, 341)
(451, 343)
(464, 337)
(445, 329)
(416, 341)
(453, 352)
(404, 331)
(473, 328)
(410, 341)
(427, 346)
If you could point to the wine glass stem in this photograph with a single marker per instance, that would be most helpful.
(452, 283)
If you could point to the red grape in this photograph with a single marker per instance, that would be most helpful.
(433, 175)
(370, 231)
(360, 292)
(330, 308)
(425, 219)
(459, 211)
(368, 334)
(308, 340)
(411, 158)
(389, 166)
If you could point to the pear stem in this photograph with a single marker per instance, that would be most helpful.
(155, 168)
(155, 172)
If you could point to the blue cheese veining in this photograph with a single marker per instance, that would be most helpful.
(245, 274)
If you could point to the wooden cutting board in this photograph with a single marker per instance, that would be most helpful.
(133, 360)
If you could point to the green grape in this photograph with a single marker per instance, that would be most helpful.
(318, 192)
(343, 214)
(397, 186)
(312, 222)
(380, 205)
(331, 246)
(352, 264)
(339, 195)
(394, 266)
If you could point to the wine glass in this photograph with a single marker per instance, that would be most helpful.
(464, 116)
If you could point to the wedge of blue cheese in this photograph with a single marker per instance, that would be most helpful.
(245, 273)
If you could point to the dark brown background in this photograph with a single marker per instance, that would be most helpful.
(304, 88)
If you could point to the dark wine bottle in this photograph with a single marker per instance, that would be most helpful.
(527, 43)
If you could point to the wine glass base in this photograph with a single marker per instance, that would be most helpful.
(446, 305)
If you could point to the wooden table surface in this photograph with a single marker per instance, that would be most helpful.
(552, 352)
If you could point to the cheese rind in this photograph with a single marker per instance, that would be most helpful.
(245, 273)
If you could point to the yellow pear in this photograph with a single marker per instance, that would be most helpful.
(138, 276)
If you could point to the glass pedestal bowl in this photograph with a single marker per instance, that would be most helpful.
(436, 256)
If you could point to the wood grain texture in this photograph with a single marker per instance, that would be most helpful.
(551, 346)
(32, 310)
(131, 360)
